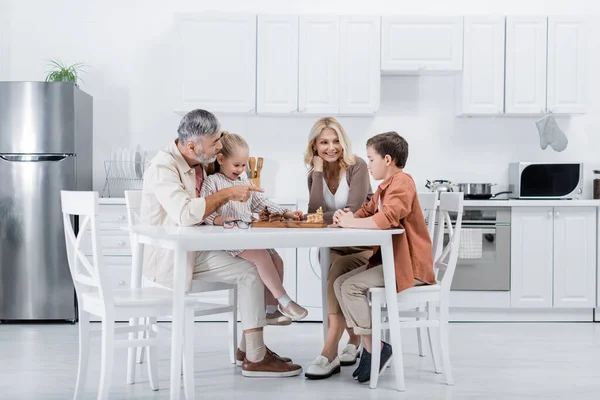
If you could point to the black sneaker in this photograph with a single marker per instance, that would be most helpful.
(365, 358)
(385, 360)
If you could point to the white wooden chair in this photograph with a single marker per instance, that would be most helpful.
(433, 296)
(96, 296)
(133, 201)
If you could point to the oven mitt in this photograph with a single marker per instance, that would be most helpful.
(550, 134)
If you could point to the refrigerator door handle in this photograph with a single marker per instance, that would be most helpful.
(34, 157)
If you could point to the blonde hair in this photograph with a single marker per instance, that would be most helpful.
(231, 142)
(346, 159)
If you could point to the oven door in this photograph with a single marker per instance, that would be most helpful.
(484, 253)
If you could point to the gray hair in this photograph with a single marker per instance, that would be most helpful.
(197, 123)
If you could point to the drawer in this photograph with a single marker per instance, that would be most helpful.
(112, 216)
(112, 243)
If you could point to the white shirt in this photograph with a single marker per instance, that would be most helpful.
(337, 201)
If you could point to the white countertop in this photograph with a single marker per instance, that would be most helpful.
(532, 203)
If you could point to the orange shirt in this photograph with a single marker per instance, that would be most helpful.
(400, 208)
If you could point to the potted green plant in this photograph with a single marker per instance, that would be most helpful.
(60, 72)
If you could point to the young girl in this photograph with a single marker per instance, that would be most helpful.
(227, 172)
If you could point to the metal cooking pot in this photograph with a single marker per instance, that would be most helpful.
(478, 191)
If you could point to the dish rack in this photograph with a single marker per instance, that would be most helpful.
(123, 175)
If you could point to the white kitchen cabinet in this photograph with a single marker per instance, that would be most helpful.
(319, 82)
(413, 44)
(360, 73)
(526, 64)
(277, 64)
(481, 84)
(531, 257)
(566, 65)
(553, 257)
(575, 257)
(215, 62)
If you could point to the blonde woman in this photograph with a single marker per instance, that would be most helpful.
(337, 179)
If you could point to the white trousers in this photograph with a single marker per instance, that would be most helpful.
(220, 266)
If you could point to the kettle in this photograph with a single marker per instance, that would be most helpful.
(439, 185)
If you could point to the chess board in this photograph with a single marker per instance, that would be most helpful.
(288, 224)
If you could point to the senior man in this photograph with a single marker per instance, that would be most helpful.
(171, 197)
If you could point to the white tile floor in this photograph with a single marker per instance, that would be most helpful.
(491, 361)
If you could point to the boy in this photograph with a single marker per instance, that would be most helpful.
(394, 205)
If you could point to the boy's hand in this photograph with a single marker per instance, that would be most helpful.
(295, 215)
(343, 218)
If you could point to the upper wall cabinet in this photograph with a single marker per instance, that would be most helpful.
(360, 73)
(481, 85)
(545, 65)
(319, 64)
(526, 65)
(277, 64)
(566, 65)
(413, 44)
(216, 62)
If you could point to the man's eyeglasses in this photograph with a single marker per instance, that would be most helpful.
(238, 222)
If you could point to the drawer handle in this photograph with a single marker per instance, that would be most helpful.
(122, 283)
(549, 214)
(557, 214)
(121, 218)
(121, 243)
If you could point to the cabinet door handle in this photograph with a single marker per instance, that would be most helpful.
(557, 214)
(121, 243)
(549, 214)
(122, 283)
(121, 218)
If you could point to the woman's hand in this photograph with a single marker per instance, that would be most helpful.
(318, 163)
(295, 215)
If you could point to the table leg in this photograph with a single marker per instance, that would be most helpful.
(391, 296)
(178, 322)
(324, 260)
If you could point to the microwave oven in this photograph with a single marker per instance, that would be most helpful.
(536, 180)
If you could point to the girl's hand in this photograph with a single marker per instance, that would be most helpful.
(295, 215)
(219, 220)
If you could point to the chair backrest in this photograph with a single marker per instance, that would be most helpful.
(445, 263)
(428, 202)
(133, 202)
(87, 276)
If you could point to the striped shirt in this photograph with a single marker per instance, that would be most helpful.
(236, 209)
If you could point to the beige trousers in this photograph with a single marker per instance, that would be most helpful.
(220, 266)
(352, 291)
(343, 260)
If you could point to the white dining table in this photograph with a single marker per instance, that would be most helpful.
(201, 238)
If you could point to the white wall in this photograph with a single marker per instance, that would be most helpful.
(127, 45)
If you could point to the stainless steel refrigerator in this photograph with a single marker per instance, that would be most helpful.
(45, 147)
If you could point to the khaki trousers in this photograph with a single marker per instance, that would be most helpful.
(220, 266)
(343, 260)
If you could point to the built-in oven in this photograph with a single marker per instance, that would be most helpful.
(484, 251)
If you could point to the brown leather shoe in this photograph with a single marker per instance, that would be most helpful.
(270, 367)
(241, 355)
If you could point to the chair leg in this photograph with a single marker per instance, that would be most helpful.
(376, 344)
(139, 356)
(152, 355)
(431, 332)
(232, 323)
(108, 352)
(188, 356)
(421, 333)
(84, 352)
(444, 344)
(131, 354)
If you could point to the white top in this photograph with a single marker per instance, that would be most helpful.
(339, 200)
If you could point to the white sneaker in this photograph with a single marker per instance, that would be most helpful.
(321, 368)
(349, 355)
